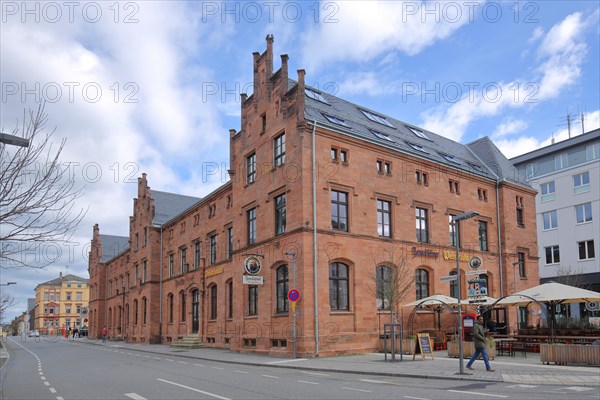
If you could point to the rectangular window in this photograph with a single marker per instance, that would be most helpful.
(339, 210)
(421, 178)
(344, 156)
(586, 250)
(213, 249)
(380, 166)
(252, 300)
(68, 296)
(230, 242)
(550, 220)
(144, 271)
(387, 167)
(183, 257)
(336, 120)
(51, 296)
(334, 154)
(68, 309)
(280, 214)
(521, 259)
(422, 225)
(279, 149)
(581, 182)
(384, 218)
(213, 302)
(376, 118)
(592, 151)
(583, 213)
(548, 190)
(520, 221)
(251, 168)
(230, 299)
(197, 247)
(251, 219)
(263, 119)
(483, 239)
(171, 266)
(454, 186)
(452, 227)
(552, 255)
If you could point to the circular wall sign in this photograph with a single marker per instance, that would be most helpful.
(252, 265)
(294, 295)
(475, 262)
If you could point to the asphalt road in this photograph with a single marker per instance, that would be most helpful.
(62, 370)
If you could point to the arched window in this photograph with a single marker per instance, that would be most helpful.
(213, 302)
(384, 288)
(422, 283)
(183, 305)
(135, 312)
(454, 286)
(170, 306)
(282, 289)
(338, 286)
(144, 309)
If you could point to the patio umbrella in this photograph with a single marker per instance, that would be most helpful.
(551, 294)
(436, 299)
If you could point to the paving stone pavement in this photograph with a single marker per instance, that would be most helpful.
(518, 370)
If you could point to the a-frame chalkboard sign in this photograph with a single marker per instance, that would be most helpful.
(423, 346)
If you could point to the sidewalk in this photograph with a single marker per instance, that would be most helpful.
(518, 370)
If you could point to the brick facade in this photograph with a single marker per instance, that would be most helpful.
(278, 108)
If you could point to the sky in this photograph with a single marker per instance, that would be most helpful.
(154, 87)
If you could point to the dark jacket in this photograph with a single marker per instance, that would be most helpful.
(478, 336)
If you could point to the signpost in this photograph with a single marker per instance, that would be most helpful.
(293, 297)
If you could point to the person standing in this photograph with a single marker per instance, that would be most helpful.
(104, 333)
(479, 340)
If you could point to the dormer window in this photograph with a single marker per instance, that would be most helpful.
(313, 94)
(336, 120)
(418, 132)
(376, 118)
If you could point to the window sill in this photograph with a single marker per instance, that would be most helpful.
(341, 312)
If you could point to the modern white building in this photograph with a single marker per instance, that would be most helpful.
(567, 177)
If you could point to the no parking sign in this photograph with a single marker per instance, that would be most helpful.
(293, 297)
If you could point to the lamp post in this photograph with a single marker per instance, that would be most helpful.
(456, 219)
(515, 278)
(293, 255)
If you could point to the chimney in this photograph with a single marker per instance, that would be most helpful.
(269, 60)
(300, 98)
(284, 74)
(256, 56)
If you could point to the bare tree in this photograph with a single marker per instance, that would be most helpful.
(37, 195)
(7, 300)
(571, 276)
(390, 281)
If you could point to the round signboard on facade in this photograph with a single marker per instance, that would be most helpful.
(475, 262)
(252, 265)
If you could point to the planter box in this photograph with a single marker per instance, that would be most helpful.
(408, 346)
(469, 349)
(569, 354)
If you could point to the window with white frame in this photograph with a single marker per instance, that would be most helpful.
(581, 182)
(586, 250)
(552, 254)
(279, 150)
(550, 220)
(583, 213)
(548, 190)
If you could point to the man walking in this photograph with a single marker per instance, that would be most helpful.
(104, 332)
(479, 339)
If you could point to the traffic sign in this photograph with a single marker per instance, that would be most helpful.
(477, 272)
(294, 295)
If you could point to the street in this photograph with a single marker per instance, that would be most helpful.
(39, 368)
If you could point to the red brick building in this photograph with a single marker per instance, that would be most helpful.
(340, 191)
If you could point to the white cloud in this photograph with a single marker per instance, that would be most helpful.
(366, 29)
(509, 126)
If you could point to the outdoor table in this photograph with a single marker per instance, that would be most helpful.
(504, 344)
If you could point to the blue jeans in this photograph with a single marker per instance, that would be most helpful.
(483, 352)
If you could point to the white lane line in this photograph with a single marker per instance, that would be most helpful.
(59, 398)
(313, 373)
(240, 372)
(182, 362)
(47, 383)
(166, 359)
(52, 390)
(372, 381)
(135, 396)
(43, 378)
(156, 358)
(477, 393)
(271, 376)
(415, 398)
(356, 390)
(41, 373)
(194, 389)
(286, 361)
(219, 368)
(311, 383)
(199, 365)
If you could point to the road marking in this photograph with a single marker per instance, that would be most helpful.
(182, 362)
(312, 383)
(59, 398)
(372, 381)
(156, 358)
(313, 373)
(286, 361)
(199, 365)
(52, 390)
(43, 377)
(358, 390)
(219, 368)
(47, 383)
(41, 373)
(579, 388)
(194, 389)
(523, 386)
(415, 398)
(240, 372)
(271, 376)
(166, 359)
(135, 396)
(477, 393)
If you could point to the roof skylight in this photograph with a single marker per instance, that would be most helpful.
(313, 94)
(376, 118)
(451, 158)
(336, 120)
(381, 135)
(417, 147)
(418, 132)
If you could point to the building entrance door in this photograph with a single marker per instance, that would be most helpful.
(195, 311)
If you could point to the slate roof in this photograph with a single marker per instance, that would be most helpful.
(169, 205)
(371, 126)
(112, 246)
(65, 278)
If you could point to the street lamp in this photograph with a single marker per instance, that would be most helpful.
(456, 219)
(293, 255)
(515, 278)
